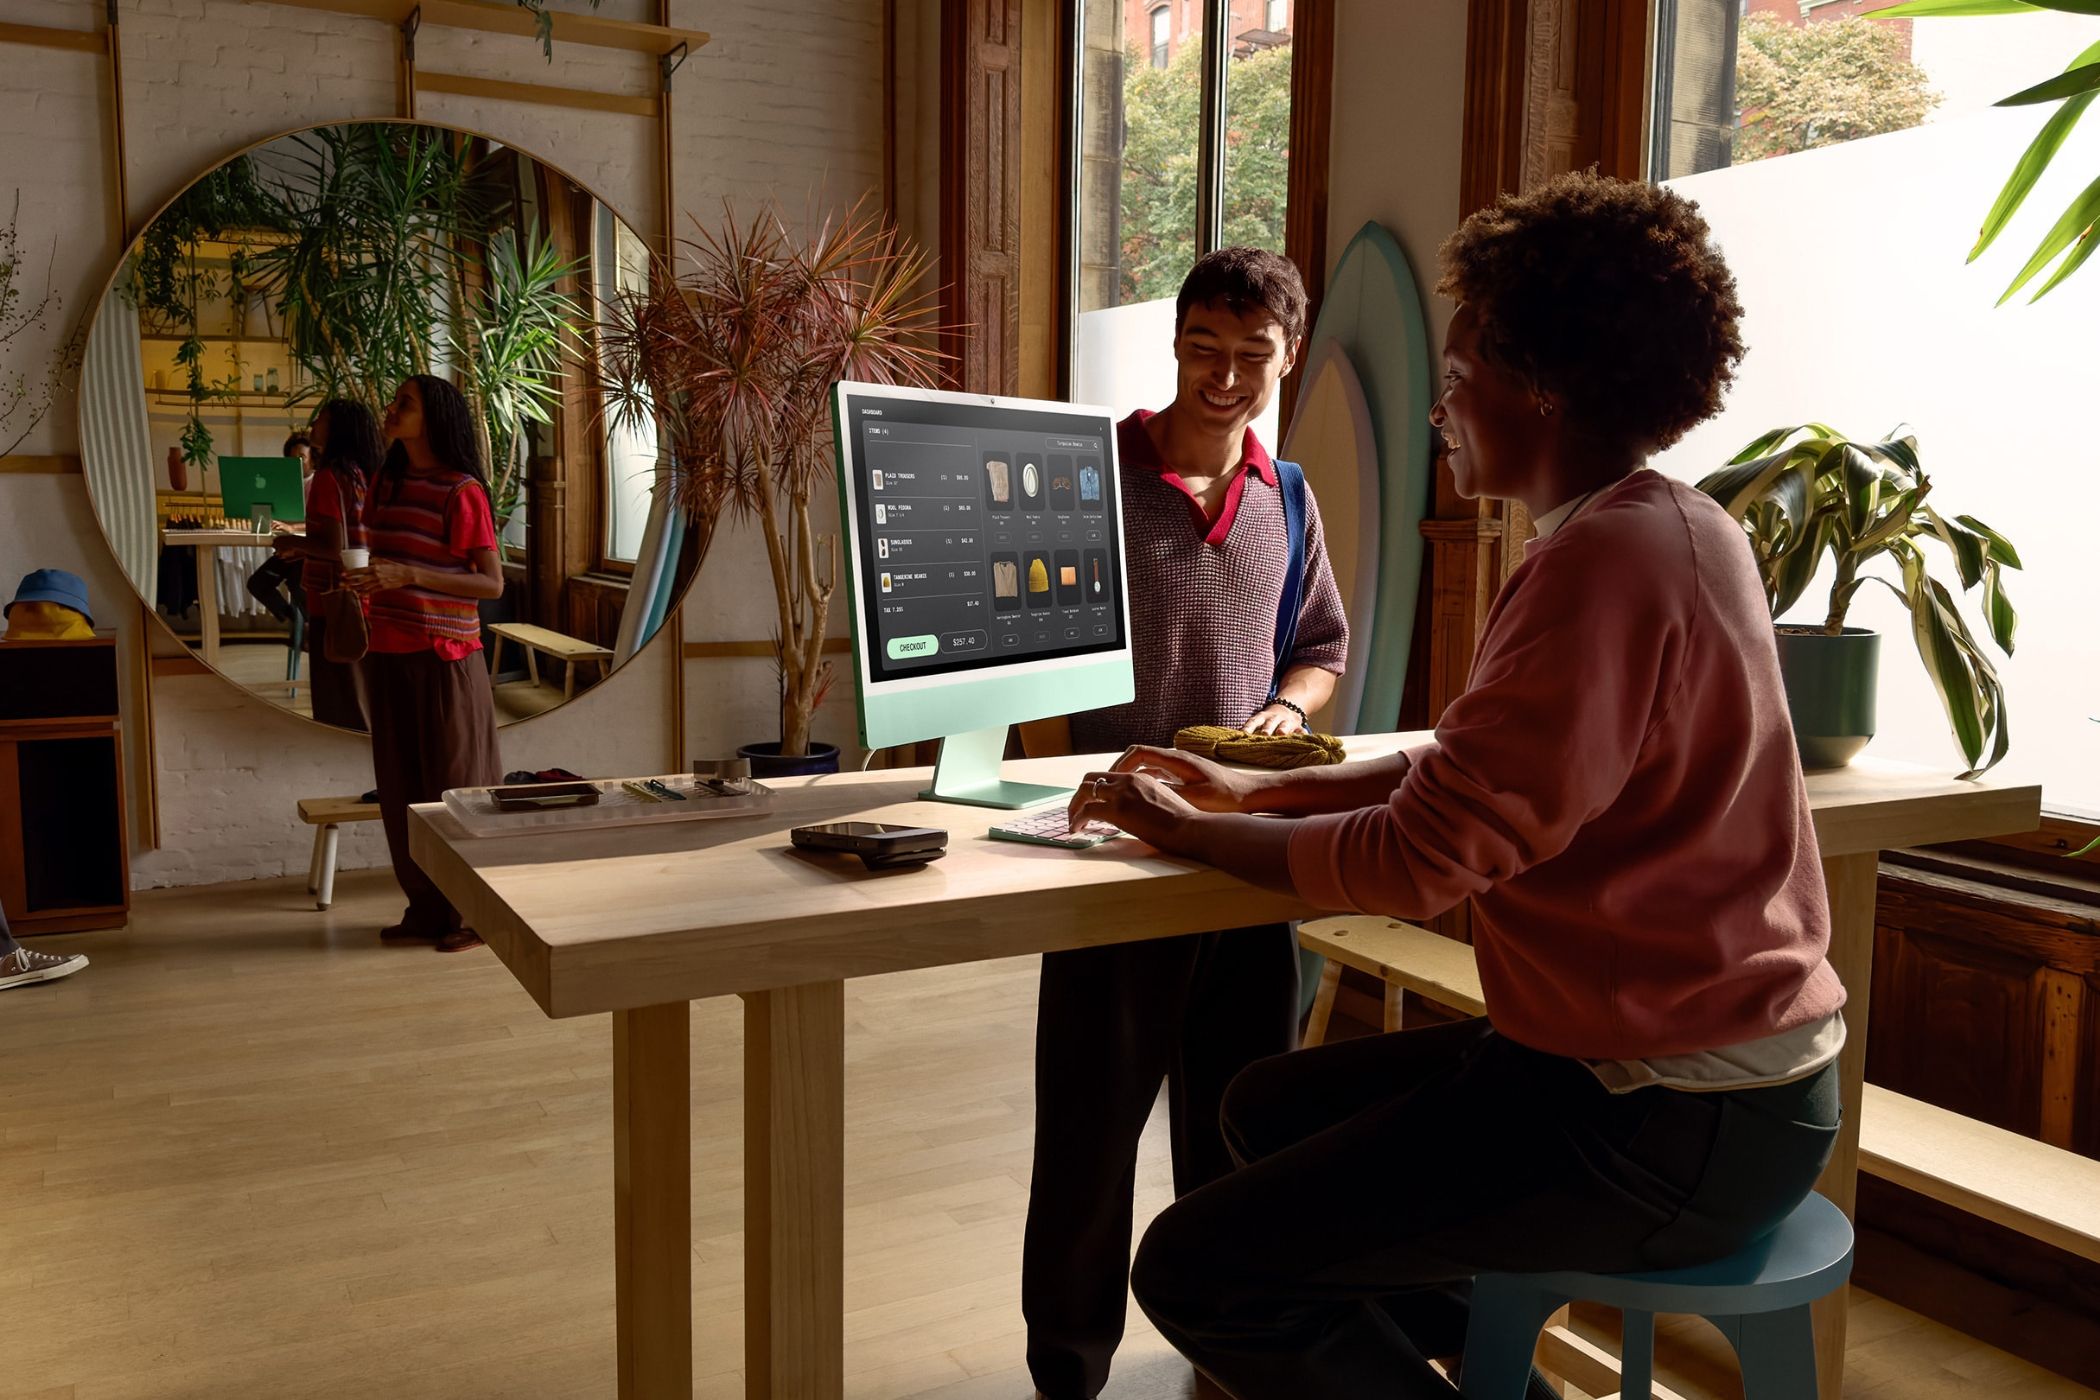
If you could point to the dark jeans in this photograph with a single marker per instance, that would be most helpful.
(1382, 1174)
(8, 946)
(433, 728)
(1111, 1023)
(276, 586)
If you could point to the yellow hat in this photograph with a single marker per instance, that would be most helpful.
(46, 622)
(1038, 577)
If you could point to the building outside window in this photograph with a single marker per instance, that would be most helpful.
(1845, 165)
(1139, 170)
(1162, 23)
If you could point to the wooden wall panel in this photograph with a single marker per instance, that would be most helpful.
(981, 190)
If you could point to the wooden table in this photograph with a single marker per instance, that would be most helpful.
(640, 921)
(208, 543)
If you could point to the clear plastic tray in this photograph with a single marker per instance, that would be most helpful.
(616, 806)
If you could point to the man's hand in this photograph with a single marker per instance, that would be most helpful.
(1274, 719)
(378, 576)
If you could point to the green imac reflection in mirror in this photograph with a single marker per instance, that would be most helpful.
(334, 262)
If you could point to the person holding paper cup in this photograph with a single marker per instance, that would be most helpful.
(345, 446)
(433, 558)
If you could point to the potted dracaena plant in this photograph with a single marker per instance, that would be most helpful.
(733, 358)
(1806, 493)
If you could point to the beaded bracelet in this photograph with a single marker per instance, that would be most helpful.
(1303, 718)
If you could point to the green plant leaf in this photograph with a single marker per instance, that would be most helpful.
(2083, 78)
(2001, 548)
(1967, 547)
(2087, 242)
(1863, 480)
(1945, 665)
(1998, 609)
(1762, 446)
(2076, 221)
(2035, 159)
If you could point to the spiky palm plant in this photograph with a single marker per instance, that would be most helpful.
(734, 358)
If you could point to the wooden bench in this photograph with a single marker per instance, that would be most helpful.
(325, 814)
(570, 651)
(1402, 957)
(2026, 1186)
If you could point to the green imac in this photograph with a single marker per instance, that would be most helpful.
(984, 573)
(247, 482)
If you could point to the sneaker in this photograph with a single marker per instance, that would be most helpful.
(407, 933)
(21, 967)
(459, 941)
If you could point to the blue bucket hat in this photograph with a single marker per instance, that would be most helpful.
(54, 586)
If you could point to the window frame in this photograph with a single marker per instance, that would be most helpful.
(1160, 43)
(1305, 199)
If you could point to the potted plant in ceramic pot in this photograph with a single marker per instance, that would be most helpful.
(734, 358)
(1808, 492)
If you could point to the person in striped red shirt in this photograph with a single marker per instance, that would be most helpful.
(433, 542)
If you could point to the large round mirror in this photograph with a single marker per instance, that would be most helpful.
(331, 264)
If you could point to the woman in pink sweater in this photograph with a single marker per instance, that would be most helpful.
(1617, 792)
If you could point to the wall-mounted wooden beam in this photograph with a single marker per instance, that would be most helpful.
(41, 37)
(540, 94)
(490, 18)
(22, 464)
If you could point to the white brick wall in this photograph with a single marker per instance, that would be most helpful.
(786, 101)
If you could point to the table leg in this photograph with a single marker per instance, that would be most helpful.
(795, 1193)
(653, 1200)
(1850, 882)
(208, 602)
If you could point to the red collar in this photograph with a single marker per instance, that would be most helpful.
(1136, 449)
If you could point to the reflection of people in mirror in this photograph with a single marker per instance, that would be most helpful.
(273, 584)
(345, 449)
(433, 542)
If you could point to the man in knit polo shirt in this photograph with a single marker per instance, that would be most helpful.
(1206, 546)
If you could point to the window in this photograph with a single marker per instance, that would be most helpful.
(1160, 24)
(1153, 195)
(621, 264)
(1846, 208)
(1277, 16)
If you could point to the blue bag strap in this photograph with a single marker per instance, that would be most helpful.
(1291, 478)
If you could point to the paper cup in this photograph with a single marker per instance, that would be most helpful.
(357, 558)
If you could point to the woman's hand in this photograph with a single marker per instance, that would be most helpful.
(1206, 785)
(378, 576)
(1139, 803)
(1274, 719)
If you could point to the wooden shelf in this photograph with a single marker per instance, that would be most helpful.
(44, 37)
(485, 17)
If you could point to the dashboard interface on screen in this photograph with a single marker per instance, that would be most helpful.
(985, 536)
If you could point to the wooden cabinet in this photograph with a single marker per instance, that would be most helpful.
(1986, 1001)
(64, 854)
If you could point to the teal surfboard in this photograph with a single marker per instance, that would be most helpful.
(1373, 312)
(1331, 439)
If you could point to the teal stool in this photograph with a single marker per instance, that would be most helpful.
(1759, 1297)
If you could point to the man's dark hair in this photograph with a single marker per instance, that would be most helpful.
(1246, 279)
(293, 443)
(1609, 293)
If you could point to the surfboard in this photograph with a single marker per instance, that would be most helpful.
(1373, 312)
(1331, 439)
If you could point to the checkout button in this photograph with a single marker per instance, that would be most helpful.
(912, 648)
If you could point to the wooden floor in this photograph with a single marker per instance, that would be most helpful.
(258, 664)
(250, 1154)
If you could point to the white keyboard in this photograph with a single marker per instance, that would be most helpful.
(1047, 828)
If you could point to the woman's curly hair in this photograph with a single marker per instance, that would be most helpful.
(1609, 293)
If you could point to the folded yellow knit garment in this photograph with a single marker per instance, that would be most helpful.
(1306, 750)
